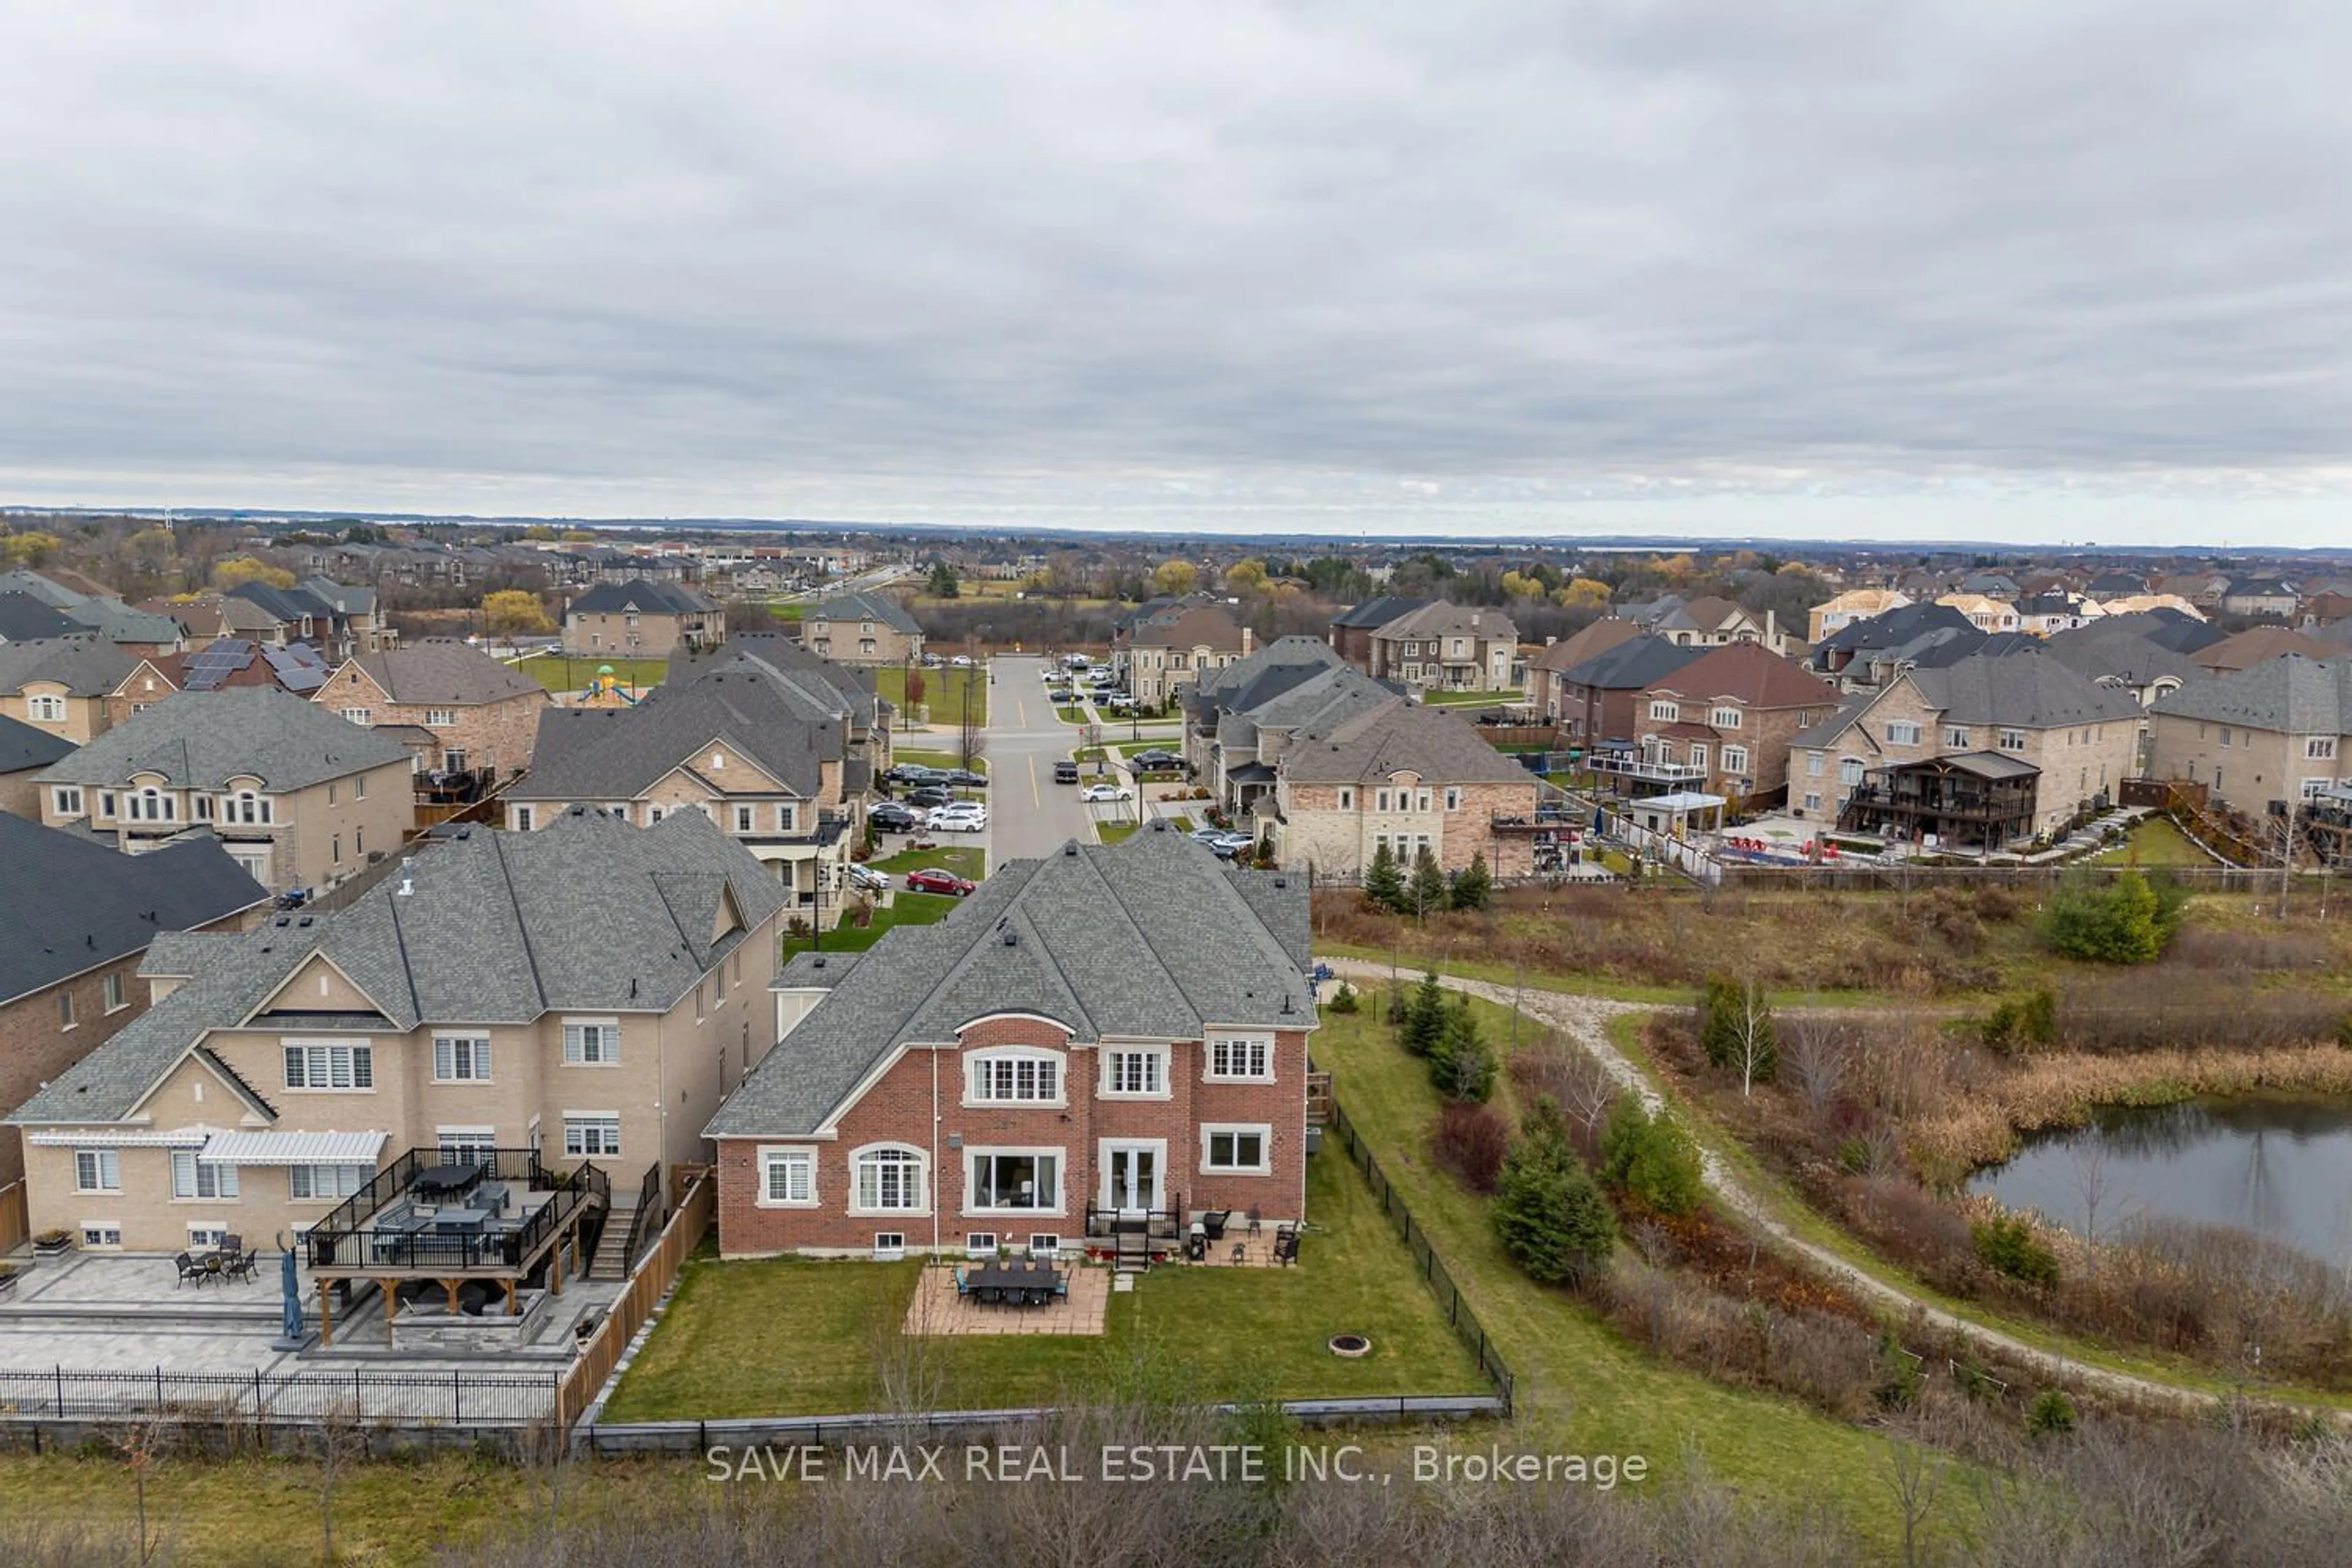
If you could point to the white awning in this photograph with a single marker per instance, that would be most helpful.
(108, 1138)
(292, 1148)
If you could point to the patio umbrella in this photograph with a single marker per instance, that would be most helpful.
(291, 1331)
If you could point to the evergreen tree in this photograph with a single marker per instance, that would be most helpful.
(1651, 1158)
(1424, 1017)
(1428, 893)
(1384, 883)
(1460, 1065)
(1474, 887)
(2123, 923)
(944, 583)
(1550, 1218)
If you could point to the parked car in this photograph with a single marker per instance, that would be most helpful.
(932, 880)
(931, 795)
(892, 817)
(963, 817)
(868, 878)
(1238, 841)
(1103, 792)
(1061, 699)
(966, 778)
(1155, 760)
(1065, 770)
(961, 661)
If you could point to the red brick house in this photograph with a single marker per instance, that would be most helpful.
(1107, 1038)
(1730, 715)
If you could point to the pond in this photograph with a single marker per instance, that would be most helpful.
(2276, 1166)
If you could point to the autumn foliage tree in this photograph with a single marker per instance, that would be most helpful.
(242, 568)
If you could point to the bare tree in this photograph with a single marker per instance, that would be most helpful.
(1817, 1053)
(1916, 1477)
(1756, 1049)
(2091, 1185)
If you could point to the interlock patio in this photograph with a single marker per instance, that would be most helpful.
(936, 1309)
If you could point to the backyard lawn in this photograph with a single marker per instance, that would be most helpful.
(905, 909)
(963, 859)
(558, 673)
(1115, 832)
(786, 1336)
(2157, 842)
(943, 691)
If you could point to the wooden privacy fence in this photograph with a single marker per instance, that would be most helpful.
(1432, 1270)
(15, 1224)
(649, 1282)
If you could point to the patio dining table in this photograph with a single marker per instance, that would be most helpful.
(998, 1282)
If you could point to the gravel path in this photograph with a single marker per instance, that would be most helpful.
(1585, 1019)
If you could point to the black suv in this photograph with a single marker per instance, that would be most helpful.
(1065, 770)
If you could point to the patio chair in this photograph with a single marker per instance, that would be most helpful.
(189, 1269)
(231, 1245)
(1240, 1252)
(963, 1285)
(1286, 1247)
(242, 1264)
(1062, 1287)
(1257, 1220)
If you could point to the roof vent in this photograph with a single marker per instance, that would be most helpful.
(1011, 937)
(819, 963)
(305, 922)
(1285, 1003)
(1282, 882)
(407, 887)
(633, 988)
(1070, 849)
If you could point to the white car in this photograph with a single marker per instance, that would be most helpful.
(959, 819)
(960, 661)
(1106, 791)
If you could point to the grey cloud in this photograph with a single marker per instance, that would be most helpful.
(994, 262)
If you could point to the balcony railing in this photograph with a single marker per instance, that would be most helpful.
(1626, 765)
(353, 1238)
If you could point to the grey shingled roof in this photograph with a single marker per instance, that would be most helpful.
(643, 594)
(1153, 939)
(1377, 610)
(23, 746)
(588, 914)
(2029, 689)
(616, 753)
(68, 904)
(1275, 667)
(447, 672)
(119, 622)
(86, 664)
(2291, 693)
(203, 738)
(1404, 737)
(1634, 665)
(1447, 619)
(879, 608)
(823, 688)
(24, 618)
(24, 579)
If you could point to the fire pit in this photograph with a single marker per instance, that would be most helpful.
(1352, 1347)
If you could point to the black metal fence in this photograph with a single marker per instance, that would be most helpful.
(453, 1398)
(1433, 1272)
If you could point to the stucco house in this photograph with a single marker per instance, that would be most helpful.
(1103, 1040)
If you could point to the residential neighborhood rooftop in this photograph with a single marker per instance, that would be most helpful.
(203, 738)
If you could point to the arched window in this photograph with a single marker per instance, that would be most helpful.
(889, 1179)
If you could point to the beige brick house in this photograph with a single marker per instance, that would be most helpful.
(589, 993)
(1451, 648)
(1409, 776)
(1166, 656)
(478, 712)
(24, 752)
(2279, 731)
(1110, 1037)
(641, 618)
(2081, 740)
(862, 629)
(79, 917)
(1729, 715)
(66, 686)
(299, 798)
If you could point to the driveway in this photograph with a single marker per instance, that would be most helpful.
(1029, 815)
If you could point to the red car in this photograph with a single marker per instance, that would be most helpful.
(937, 881)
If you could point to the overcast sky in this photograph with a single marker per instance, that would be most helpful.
(2037, 270)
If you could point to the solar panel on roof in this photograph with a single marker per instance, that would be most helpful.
(206, 670)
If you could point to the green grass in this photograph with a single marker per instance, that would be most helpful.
(943, 690)
(1583, 1387)
(927, 757)
(572, 675)
(2157, 842)
(1068, 715)
(1509, 696)
(787, 1336)
(905, 909)
(1115, 832)
(963, 859)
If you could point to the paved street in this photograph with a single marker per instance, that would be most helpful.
(1028, 814)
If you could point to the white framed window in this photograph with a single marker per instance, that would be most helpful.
(2012, 739)
(2311, 787)
(151, 805)
(1421, 800)
(1956, 735)
(66, 800)
(65, 1010)
(46, 708)
(788, 817)
(329, 1065)
(1019, 1180)
(1347, 799)
(744, 817)
(889, 1246)
(1903, 732)
(525, 819)
(203, 805)
(787, 1178)
(594, 1134)
(440, 718)
(464, 1146)
(98, 1236)
(363, 717)
(1812, 803)
(110, 988)
(325, 1183)
(1381, 801)
(1848, 770)
(718, 760)
(1240, 1058)
(206, 1234)
(1813, 761)
(106, 803)
(1045, 1244)
(98, 1170)
(1454, 798)
(461, 1058)
(1724, 719)
(359, 785)
(1135, 1071)
(2319, 749)
(592, 1042)
(192, 1178)
(887, 1179)
(1013, 1076)
(1665, 712)
(330, 792)
(1238, 1149)
(1735, 758)
(246, 808)
(979, 1245)
(1699, 755)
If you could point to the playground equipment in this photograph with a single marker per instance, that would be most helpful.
(604, 686)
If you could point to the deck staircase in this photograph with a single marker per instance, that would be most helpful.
(613, 1260)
